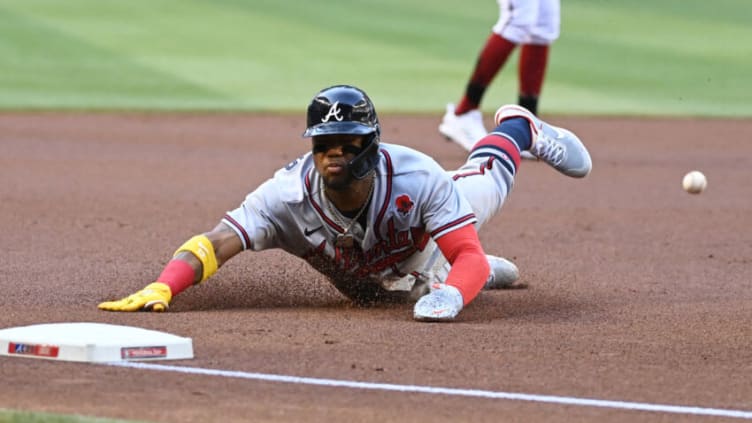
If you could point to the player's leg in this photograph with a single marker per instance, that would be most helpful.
(486, 179)
(463, 123)
(558, 147)
(532, 70)
(534, 53)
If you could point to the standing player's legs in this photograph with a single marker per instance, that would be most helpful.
(532, 70)
(463, 124)
(534, 53)
(516, 18)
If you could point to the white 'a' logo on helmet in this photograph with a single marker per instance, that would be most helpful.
(334, 111)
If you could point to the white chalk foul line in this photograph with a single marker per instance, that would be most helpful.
(584, 402)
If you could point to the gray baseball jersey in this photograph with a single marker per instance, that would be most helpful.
(414, 201)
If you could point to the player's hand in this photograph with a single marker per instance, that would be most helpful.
(154, 297)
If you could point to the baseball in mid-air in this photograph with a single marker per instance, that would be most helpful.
(694, 182)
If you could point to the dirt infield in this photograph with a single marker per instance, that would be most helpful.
(639, 292)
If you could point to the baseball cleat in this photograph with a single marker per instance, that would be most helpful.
(504, 274)
(442, 304)
(556, 146)
(465, 129)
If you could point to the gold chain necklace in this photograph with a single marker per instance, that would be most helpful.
(345, 239)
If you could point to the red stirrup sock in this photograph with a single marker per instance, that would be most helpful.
(495, 53)
(532, 69)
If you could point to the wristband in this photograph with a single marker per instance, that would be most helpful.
(202, 248)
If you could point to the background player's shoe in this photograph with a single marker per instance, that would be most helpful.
(443, 303)
(556, 146)
(504, 274)
(465, 129)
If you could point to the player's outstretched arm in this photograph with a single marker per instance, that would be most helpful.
(194, 262)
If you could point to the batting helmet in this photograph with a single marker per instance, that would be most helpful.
(344, 109)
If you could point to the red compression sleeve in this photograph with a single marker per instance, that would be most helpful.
(470, 268)
(178, 275)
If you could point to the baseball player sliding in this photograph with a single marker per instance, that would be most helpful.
(383, 222)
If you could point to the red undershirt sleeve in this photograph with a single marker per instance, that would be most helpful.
(470, 268)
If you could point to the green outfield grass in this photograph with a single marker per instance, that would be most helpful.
(652, 57)
(10, 416)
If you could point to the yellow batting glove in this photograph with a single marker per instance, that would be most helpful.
(154, 297)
